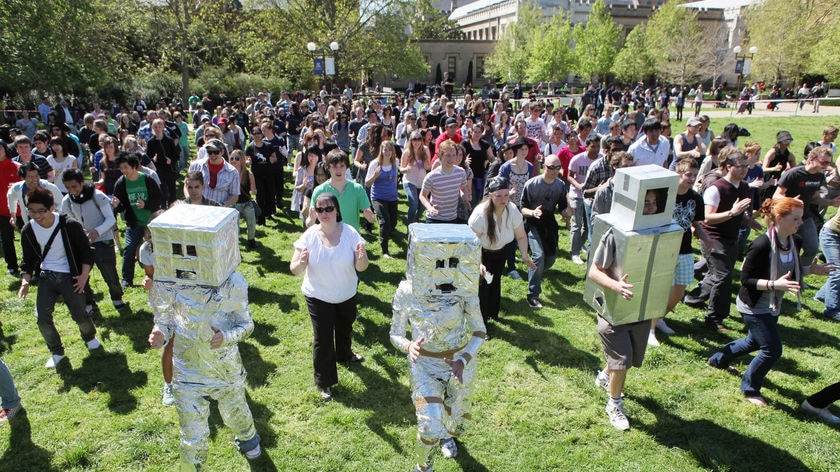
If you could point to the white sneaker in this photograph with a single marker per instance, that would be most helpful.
(93, 344)
(168, 395)
(618, 417)
(661, 326)
(53, 361)
(577, 260)
(652, 341)
(603, 380)
(253, 453)
(823, 413)
(448, 448)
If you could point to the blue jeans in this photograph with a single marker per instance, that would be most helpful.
(829, 293)
(763, 335)
(587, 208)
(477, 190)
(542, 261)
(8, 392)
(133, 240)
(412, 194)
(50, 287)
(578, 225)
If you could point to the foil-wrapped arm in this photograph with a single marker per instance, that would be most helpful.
(235, 302)
(399, 321)
(475, 324)
(161, 302)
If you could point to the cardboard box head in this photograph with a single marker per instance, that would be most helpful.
(443, 259)
(196, 244)
(630, 186)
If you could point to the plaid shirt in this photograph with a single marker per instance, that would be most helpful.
(597, 174)
(227, 181)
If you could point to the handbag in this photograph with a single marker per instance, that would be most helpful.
(257, 209)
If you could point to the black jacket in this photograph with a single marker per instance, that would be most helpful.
(757, 266)
(72, 235)
(154, 203)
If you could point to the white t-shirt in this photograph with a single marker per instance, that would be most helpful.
(56, 258)
(331, 272)
(510, 220)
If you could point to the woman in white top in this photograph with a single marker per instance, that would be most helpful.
(414, 164)
(60, 162)
(329, 254)
(305, 176)
(496, 221)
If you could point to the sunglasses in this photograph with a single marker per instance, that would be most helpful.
(325, 209)
(554, 167)
(235, 158)
(213, 152)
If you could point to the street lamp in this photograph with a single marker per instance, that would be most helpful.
(313, 49)
(743, 63)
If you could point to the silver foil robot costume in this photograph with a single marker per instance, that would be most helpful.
(440, 303)
(194, 314)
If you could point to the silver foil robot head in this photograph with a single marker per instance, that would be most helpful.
(443, 259)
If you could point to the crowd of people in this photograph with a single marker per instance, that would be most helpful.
(514, 171)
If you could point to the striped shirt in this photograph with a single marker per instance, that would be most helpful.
(445, 191)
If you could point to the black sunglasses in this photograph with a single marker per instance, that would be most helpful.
(213, 152)
(554, 167)
(325, 209)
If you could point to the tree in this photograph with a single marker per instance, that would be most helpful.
(427, 22)
(371, 37)
(785, 33)
(716, 56)
(596, 43)
(634, 60)
(550, 52)
(675, 39)
(510, 57)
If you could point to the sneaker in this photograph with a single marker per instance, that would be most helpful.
(354, 358)
(53, 361)
(7, 414)
(577, 260)
(448, 448)
(823, 413)
(603, 380)
(514, 275)
(652, 341)
(252, 244)
(168, 396)
(618, 417)
(661, 326)
(125, 284)
(119, 304)
(13, 272)
(253, 453)
(326, 393)
(93, 344)
(428, 468)
(534, 303)
(88, 309)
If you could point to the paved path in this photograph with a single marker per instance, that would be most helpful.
(785, 109)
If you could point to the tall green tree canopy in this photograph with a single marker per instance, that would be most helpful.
(596, 43)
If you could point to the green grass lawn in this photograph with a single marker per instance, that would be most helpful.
(535, 404)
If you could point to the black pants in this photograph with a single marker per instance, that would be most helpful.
(278, 173)
(332, 324)
(386, 215)
(826, 396)
(490, 295)
(7, 236)
(264, 181)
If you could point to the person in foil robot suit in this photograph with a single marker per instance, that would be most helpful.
(446, 332)
(209, 322)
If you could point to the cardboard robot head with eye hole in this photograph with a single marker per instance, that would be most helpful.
(196, 244)
(443, 260)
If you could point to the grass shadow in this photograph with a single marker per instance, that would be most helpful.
(543, 346)
(713, 446)
(22, 453)
(132, 322)
(106, 373)
(258, 369)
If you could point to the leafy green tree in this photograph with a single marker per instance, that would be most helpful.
(634, 60)
(370, 34)
(427, 22)
(785, 32)
(675, 38)
(511, 57)
(596, 43)
(550, 52)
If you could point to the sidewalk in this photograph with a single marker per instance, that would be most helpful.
(786, 109)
